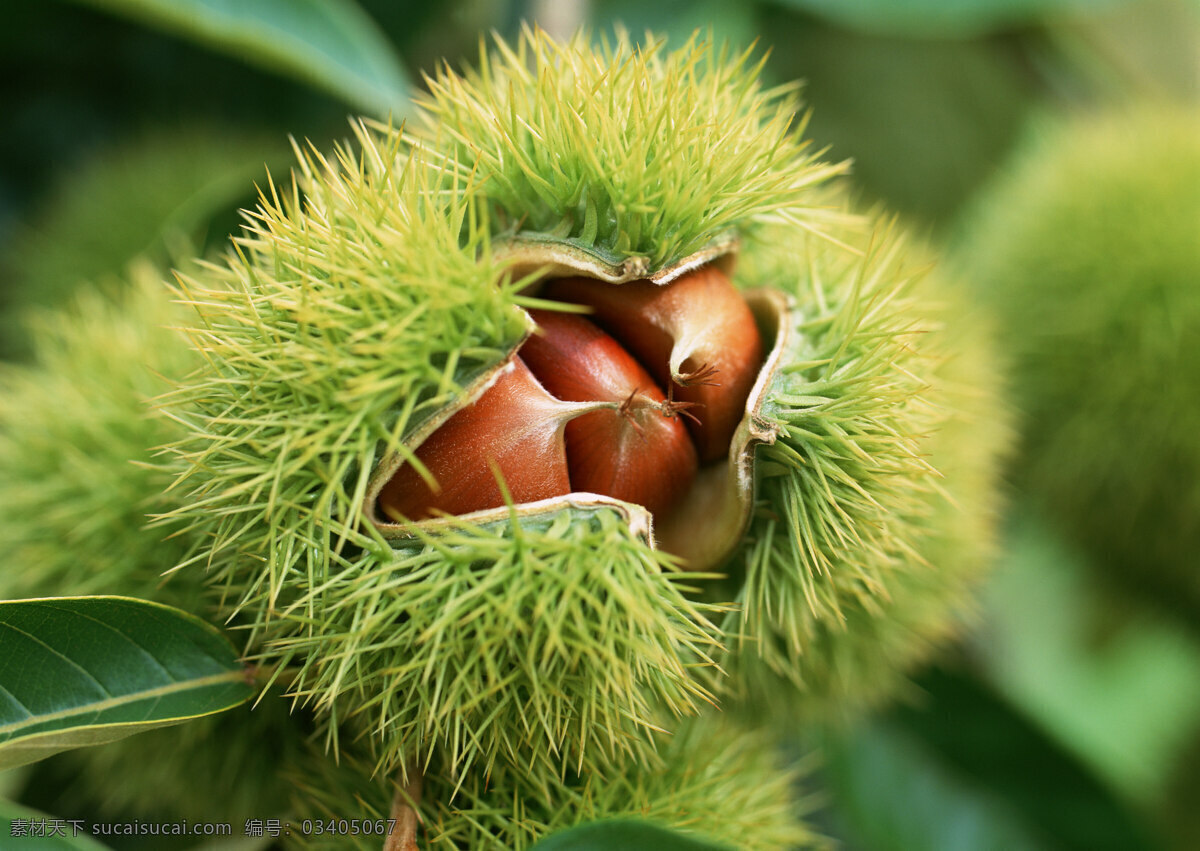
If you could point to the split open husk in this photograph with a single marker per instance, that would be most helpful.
(708, 524)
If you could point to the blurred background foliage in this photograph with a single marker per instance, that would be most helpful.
(1069, 716)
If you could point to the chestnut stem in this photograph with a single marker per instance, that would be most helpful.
(404, 813)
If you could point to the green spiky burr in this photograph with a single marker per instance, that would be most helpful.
(386, 292)
(78, 435)
(1086, 248)
(711, 780)
(639, 154)
(879, 496)
(877, 485)
(342, 323)
(80, 479)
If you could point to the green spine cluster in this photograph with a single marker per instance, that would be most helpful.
(629, 150)
(1087, 250)
(80, 477)
(879, 496)
(712, 779)
(78, 441)
(352, 310)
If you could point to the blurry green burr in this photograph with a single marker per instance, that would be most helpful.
(1088, 249)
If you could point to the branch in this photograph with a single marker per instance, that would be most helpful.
(404, 812)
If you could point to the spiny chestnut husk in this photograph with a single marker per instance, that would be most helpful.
(716, 781)
(78, 434)
(688, 329)
(1086, 250)
(351, 323)
(392, 289)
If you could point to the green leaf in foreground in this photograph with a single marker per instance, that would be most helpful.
(626, 835)
(78, 671)
(332, 44)
(45, 836)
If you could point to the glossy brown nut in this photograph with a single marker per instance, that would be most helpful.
(695, 336)
(639, 452)
(515, 425)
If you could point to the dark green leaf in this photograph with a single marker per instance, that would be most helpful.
(80, 671)
(891, 794)
(329, 43)
(623, 835)
(974, 733)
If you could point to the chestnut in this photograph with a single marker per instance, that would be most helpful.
(581, 410)
(515, 427)
(695, 335)
(639, 452)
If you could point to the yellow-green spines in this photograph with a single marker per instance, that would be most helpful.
(636, 151)
(1087, 249)
(712, 781)
(878, 497)
(78, 432)
(357, 305)
(544, 642)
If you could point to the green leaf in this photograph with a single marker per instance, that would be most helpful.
(1124, 697)
(78, 671)
(974, 733)
(22, 829)
(331, 44)
(626, 835)
(891, 794)
(941, 17)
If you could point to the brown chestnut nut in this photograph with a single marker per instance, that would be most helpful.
(516, 426)
(695, 335)
(639, 452)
